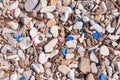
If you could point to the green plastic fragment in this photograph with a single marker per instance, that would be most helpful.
(72, 0)
(81, 31)
(1, 0)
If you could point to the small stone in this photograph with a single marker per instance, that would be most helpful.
(6, 31)
(30, 5)
(13, 76)
(43, 57)
(32, 78)
(71, 44)
(86, 19)
(65, 9)
(66, 2)
(113, 37)
(49, 47)
(13, 25)
(109, 70)
(78, 25)
(54, 53)
(90, 77)
(33, 32)
(81, 50)
(21, 54)
(69, 56)
(43, 3)
(54, 31)
(49, 16)
(96, 27)
(64, 18)
(104, 50)
(53, 2)
(48, 9)
(109, 28)
(14, 5)
(64, 69)
(93, 68)
(71, 74)
(51, 23)
(17, 13)
(21, 63)
(117, 66)
(93, 57)
(80, 6)
(27, 74)
(84, 65)
(77, 11)
(25, 43)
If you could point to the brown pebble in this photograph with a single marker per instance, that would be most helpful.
(21, 63)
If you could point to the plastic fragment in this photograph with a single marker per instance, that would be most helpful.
(64, 52)
(69, 38)
(102, 77)
(18, 38)
(96, 35)
(22, 78)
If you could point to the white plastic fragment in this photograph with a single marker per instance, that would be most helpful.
(49, 47)
(48, 9)
(13, 6)
(71, 44)
(104, 50)
(96, 27)
(54, 31)
(25, 43)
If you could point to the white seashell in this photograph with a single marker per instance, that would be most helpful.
(33, 32)
(13, 6)
(30, 5)
(96, 27)
(104, 50)
(13, 25)
(17, 13)
(54, 31)
(48, 9)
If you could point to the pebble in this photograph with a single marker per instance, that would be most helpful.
(33, 32)
(27, 74)
(25, 43)
(80, 6)
(71, 44)
(13, 76)
(96, 27)
(81, 50)
(71, 74)
(52, 43)
(13, 25)
(49, 15)
(117, 66)
(110, 29)
(61, 39)
(93, 68)
(54, 53)
(54, 31)
(64, 9)
(104, 50)
(85, 19)
(109, 71)
(13, 6)
(48, 9)
(17, 12)
(69, 56)
(84, 65)
(90, 77)
(30, 5)
(78, 25)
(66, 2)
(63, 69)
(93, 57)
(51, 23)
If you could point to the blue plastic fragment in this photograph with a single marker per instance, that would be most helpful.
(96, 35)
(18, 38)
(22, 78)
(102, 77)
(64, 52)
(71, 6)
(77, 19)
(69, 38)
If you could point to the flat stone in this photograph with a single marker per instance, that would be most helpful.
(96, 27)
(84, 65)
(104, 50)
(48, 9)
(93, 68)
(113, 37)
(71, 44)
(54, 31)
(93, 57)
(49, 47)
(78, 25)
(69, 56)
(51, 23)
(90, 77)
(30, 5)
(63, 69)
(25, 43)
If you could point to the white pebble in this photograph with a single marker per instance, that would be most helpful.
(71, 44)
(49, 15)
(93, 57)
(32, 78)
(78, 25)
(21, 54)
(13, 25)
(13, 76)
(17, 13)
(93, 68)
(13, 6)
(54, 31)
(96, 27)
(65, 9)
(49, 47)
(113, 37)
(48, 9)
(71, 74)
(33, 32)
(86, 19)
(80, 6)
(64, 18)
(109, 70)
(109, 28)
(69, 56)
(104, 50)
(27, 74)
(77, 11)
(54, 53)
(64, 69)
(81, 50)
